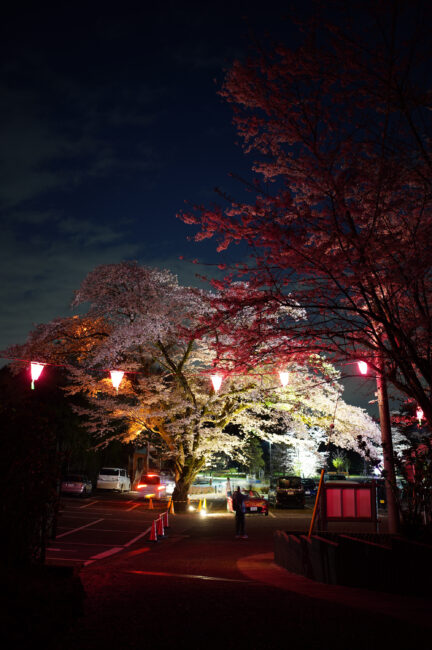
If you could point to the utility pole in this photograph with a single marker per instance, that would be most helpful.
(387, 445)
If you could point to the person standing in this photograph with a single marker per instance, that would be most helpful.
(239, 508)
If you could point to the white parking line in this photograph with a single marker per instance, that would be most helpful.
(146, 532)
(271, 514)
(116, 549)
(111, 551)
(137, 505)
(69, 532)
(87, 505)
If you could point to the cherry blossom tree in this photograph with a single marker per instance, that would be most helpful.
(340, 217)
(141, 320)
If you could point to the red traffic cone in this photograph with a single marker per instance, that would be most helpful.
(160, 527)
(153, 533)
(165, 519)
(150, 504)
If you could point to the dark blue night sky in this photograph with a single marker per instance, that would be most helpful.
(110, 120)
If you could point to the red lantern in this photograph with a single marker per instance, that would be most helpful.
(419, 415)
(363, 367)
(35, 370)
(216, 381)
(116, 377)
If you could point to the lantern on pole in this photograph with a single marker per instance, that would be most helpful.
(363, 367)
(116, 377)
(35, 371)
(216, 381)
(419, 415)
(284, 377)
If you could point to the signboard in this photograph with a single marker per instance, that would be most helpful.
(347, 501)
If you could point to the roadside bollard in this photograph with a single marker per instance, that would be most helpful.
(165, 519)
(160, 527)
(153, 533)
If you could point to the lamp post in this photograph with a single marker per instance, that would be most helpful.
(387, 445)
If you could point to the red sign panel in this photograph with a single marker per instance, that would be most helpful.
(351, 501)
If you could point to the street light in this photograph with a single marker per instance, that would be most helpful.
(216, 381)
(35, 371)
(116, 378)
(419, 415)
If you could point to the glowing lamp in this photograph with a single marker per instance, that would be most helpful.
(216, 381)
(35, 370)
(116, 377)
(284, 377)
(419, 415)
(363, 367)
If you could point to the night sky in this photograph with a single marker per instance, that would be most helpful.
(110, 120)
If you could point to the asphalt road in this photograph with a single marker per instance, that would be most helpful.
(105, 524)
(200, 588)
(93, 528)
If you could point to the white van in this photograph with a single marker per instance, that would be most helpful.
(113, 478)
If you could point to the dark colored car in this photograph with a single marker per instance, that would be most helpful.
(255, 503)
(76, 484)
(310, 487)
(287, 492)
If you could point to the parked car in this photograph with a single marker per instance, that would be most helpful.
(255, 503)
(113, 478)
(76, 484)
(310, 487)
(287, 491)
(151, 486)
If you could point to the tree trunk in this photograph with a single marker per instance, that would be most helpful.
(185, 475)
(180, 495)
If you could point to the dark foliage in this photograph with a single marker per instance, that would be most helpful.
(35, 425)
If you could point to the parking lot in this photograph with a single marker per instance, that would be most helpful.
(96, 527)
(107, 523)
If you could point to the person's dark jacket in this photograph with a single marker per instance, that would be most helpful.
(238, 500)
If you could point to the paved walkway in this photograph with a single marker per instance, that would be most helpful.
(201, 588)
